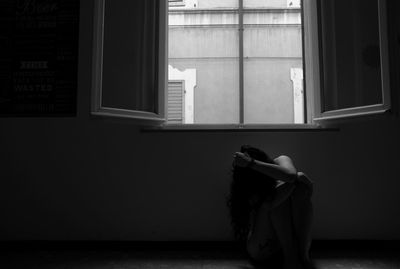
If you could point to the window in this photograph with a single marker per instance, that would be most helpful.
(132, 76)
(353, 59)
(247, 56)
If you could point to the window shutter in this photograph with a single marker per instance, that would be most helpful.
(176, 2)
(176, 102)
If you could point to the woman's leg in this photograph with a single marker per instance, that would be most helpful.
(281, 218)
(302, 215)
(262, 241)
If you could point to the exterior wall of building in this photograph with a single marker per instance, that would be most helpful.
(213, 53)
(207, 4)
(209, 43)
(216, 96)
(218, 4)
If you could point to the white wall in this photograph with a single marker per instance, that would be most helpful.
(92, 179)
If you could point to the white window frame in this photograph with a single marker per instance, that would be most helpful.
(311, 43)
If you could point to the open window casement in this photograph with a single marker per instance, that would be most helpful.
(345, 59)
(130, 58)
(350, 53)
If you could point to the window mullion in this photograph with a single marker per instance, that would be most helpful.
(241, 64)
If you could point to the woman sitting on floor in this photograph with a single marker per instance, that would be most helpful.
(270, 206)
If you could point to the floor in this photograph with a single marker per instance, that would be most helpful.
(342, 258)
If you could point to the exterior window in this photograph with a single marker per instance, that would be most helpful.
(240, 62)
(248, 58)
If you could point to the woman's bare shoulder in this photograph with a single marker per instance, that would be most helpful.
(286, 162)
(282, 158)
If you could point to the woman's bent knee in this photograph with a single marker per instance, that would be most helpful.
(304, 186)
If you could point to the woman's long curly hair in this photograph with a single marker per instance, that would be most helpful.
(246, 184)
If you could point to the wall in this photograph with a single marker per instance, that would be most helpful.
(87, 178)
(246, 3)
(208, 42)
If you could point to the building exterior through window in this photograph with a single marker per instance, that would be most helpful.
(222, 74)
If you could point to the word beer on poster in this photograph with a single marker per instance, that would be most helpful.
(38, 57)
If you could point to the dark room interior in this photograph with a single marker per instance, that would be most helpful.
(85, 191)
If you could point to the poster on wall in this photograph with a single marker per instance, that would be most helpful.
(38, 57)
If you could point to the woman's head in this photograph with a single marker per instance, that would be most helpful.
(249, 189)
(256, 153)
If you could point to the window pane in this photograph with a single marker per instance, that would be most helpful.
(271, 3)
(273, 62)
(203, 4)
(218, 3)
(129, 63)
(351, 54)
(203, 53)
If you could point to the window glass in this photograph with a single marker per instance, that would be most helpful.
(218, 3)
(271, 3)
(205, 49)
(273, 63)
(203, 4)
(204, 53)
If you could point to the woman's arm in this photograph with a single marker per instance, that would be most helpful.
(282, 193)
(283, 169)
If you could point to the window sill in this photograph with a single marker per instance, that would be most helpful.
(234, 128)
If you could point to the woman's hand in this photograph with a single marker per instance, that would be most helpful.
(241, 159)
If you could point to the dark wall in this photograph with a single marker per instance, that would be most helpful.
(87, 178)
